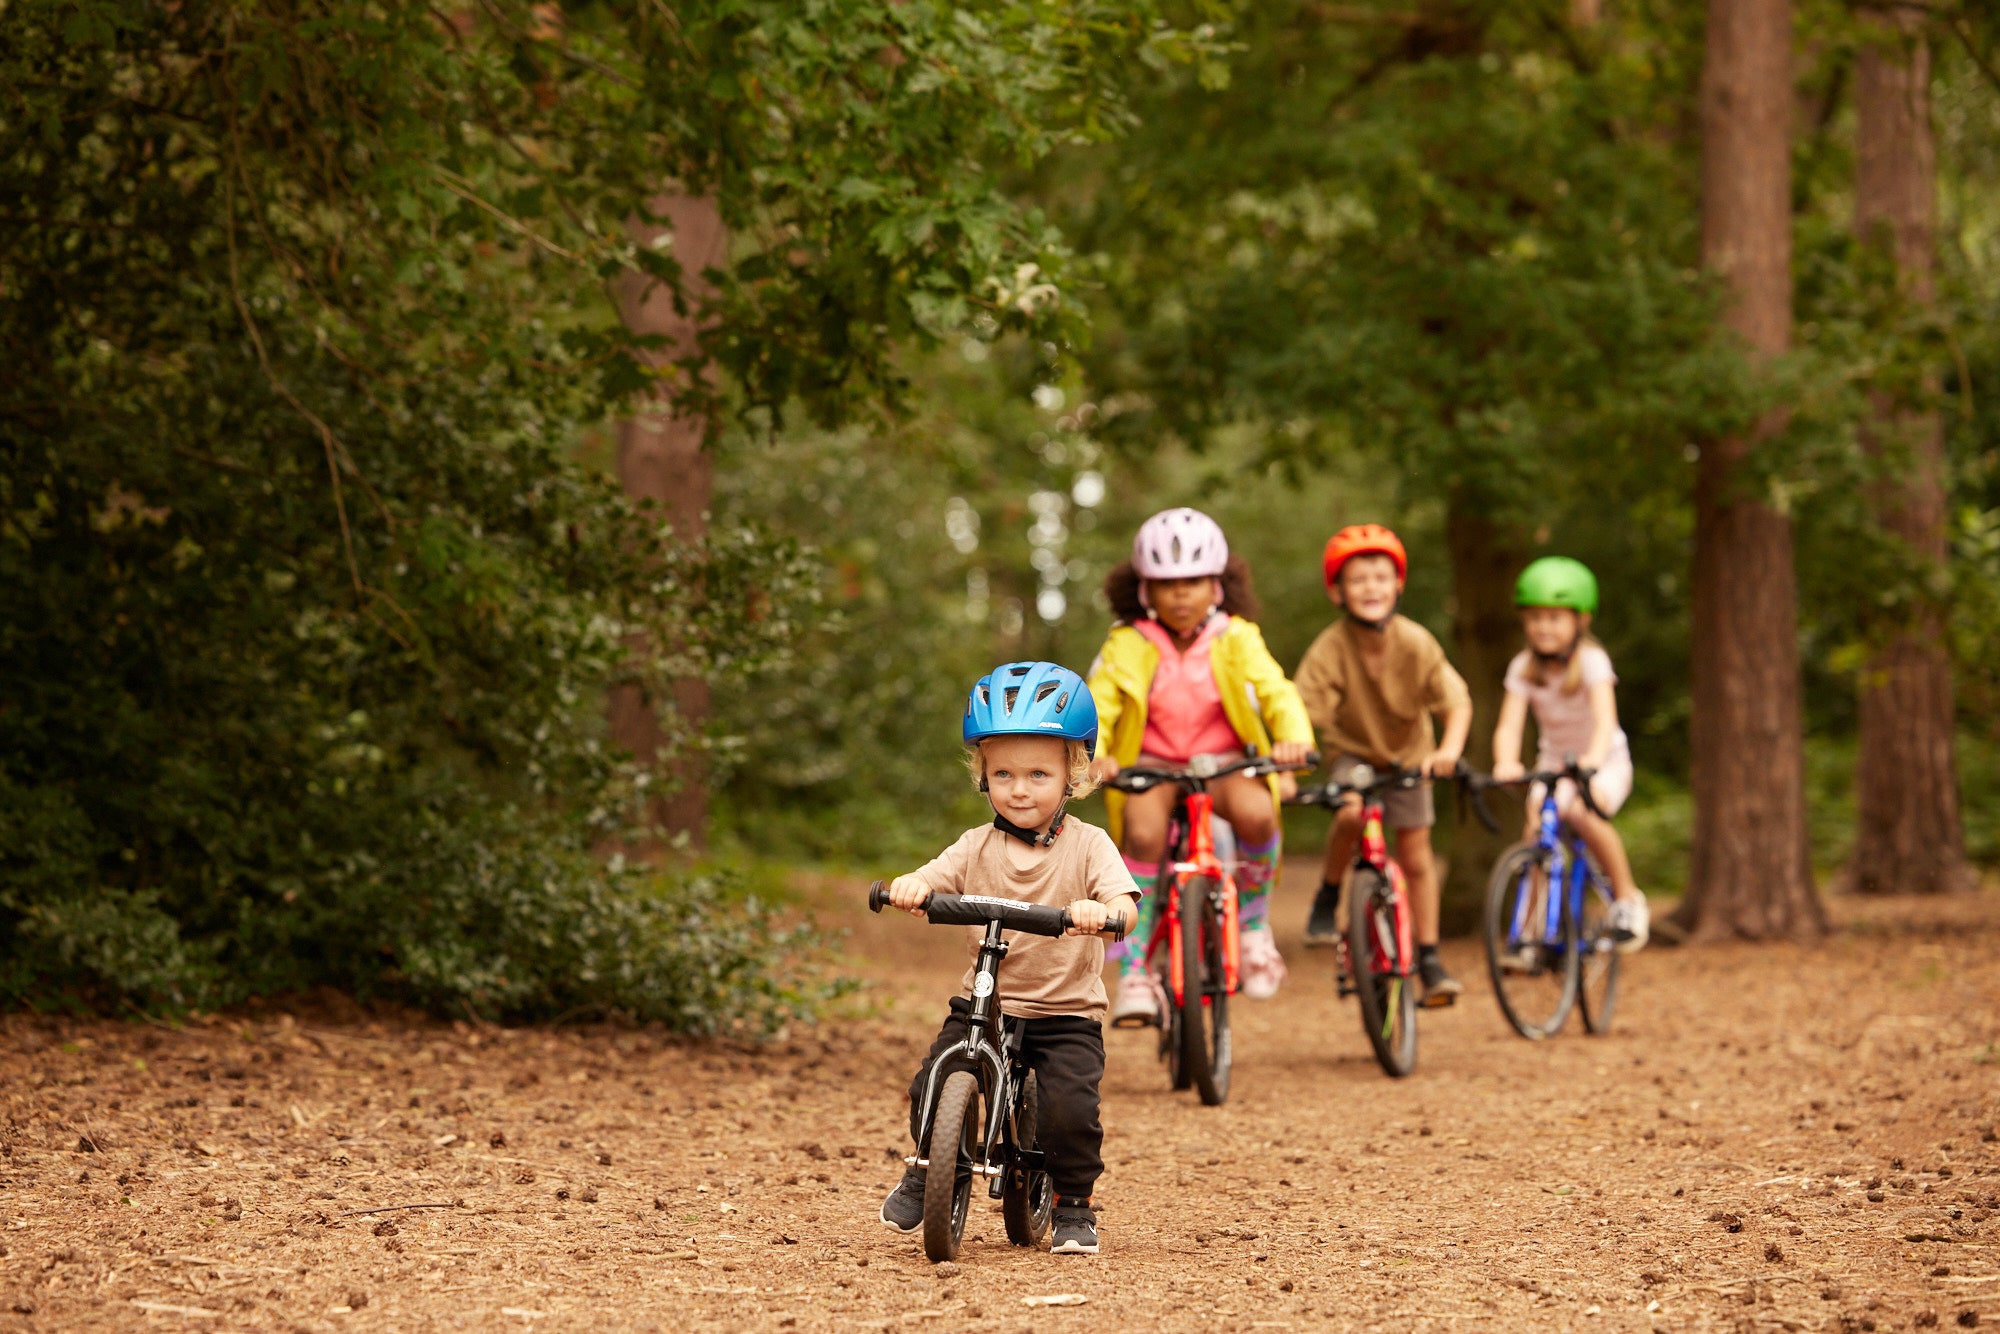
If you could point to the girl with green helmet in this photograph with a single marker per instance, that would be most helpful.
(1565, 678)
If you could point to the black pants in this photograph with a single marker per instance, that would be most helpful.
(1067, 1056)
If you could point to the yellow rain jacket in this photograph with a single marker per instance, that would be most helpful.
(1261, 703)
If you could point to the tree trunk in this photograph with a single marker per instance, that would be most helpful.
(1908, 837)
(661, 459)
(1752, 873)
(1485, 557)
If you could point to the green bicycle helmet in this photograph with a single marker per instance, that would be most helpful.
(1557, 581)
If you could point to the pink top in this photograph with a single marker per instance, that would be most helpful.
(1184, 716)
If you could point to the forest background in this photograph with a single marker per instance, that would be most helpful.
(316, 571)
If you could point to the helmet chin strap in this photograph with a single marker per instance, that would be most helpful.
(1153, 614)
(1029, 836)
(1560, 659)
(1379, 627)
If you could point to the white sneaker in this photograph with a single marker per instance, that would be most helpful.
(1262, 968)
(1137, 1004)
(1628, 924)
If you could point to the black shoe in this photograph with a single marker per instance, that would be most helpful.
(1076, 1228)
(1440, 988)
(1323, 926)
(904, 1209)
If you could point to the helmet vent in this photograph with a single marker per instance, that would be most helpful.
(985, 695)
(1044, 690)
(1011, 693)
(1062, 701)
(1017, 671)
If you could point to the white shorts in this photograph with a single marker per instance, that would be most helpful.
(1609, 787)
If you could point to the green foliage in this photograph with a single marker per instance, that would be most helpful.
(306, 608)
(977, 531)
(1406, 259)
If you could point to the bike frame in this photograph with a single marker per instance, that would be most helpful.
(1373, 852)
(994, 1055)
(1193, 824)
(1569, 871)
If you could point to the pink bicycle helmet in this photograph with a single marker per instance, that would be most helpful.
(1179, 544)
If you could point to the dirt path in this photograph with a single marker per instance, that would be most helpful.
(1773, 1138)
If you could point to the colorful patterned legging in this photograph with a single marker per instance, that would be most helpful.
(1257, 869)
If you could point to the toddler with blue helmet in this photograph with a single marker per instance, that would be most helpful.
(1031, 728)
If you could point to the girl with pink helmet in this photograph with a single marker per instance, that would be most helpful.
(1184, 673)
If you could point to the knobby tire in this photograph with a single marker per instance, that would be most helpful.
(1388, 995)
(1171, 1039)
(1204, 1008)
(954, 1144)
(1597, 968)
(1027, 1199)
(1536, 1003)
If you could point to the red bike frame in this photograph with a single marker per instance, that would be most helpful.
(1375, 851)
(1201, 860)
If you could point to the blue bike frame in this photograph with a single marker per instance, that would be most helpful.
(1568, 868)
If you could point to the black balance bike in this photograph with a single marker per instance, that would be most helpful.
(986, 1067)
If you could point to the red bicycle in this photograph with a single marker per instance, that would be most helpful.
(1378, 955)
(1194, 949)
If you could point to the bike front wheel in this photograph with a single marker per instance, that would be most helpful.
(1381, 974)
(954, 1147)
(1027, 1199)
(1204, 1003)
(1533, 964)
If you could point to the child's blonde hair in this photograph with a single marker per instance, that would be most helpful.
(1079, 780)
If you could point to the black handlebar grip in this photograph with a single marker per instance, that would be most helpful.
(1115, 924)
(878, 895)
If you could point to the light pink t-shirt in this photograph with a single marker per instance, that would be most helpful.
(1184, 716)
(1562, 720)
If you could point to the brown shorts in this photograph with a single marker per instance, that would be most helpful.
(1403, 807)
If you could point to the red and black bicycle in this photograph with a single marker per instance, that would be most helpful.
(1193, 950)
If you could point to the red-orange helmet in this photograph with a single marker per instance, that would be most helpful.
(1363, 539)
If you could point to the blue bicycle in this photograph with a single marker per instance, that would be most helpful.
(1550, 952)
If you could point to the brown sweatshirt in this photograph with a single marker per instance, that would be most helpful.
(1383, 719)
(1042, 976)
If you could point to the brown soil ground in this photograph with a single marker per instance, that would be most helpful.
(1796, 1137)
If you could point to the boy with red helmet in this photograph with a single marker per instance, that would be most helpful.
(1372, 683)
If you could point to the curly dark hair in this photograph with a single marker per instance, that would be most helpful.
(1239, 597)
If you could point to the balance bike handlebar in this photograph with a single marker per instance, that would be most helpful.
(978, 909)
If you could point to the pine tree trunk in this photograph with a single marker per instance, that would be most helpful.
(1752, 874)
(1908, 838)
(661, 458)
(1486, 630)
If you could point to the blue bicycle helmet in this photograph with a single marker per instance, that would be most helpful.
(1031, 699)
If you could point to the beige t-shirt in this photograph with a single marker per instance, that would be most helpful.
(1042, 976)
(1382, 719)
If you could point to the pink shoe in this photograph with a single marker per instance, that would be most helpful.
(1263, 968)
(1138, 1003)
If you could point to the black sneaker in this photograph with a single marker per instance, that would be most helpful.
(904, 1209)
(1440, 988)
(1076, 1228)
(1323, 926)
